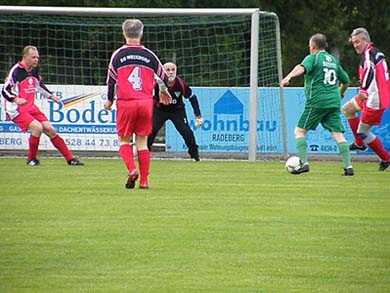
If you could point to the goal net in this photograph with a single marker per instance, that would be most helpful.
(212, 53)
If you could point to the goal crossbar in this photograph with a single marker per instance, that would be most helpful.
(254, 39)
(126, 11)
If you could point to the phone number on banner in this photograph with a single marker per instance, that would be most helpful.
(92, 143)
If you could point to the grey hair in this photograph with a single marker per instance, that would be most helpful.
(362, 33)
(132, 28)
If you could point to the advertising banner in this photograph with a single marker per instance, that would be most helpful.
(86, 125)
(80, 119)
(226, 114)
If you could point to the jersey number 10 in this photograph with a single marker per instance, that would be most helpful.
(330, 76)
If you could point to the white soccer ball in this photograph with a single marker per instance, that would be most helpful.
(292, 164)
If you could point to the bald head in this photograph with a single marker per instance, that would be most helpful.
(171, 69)
(318, 41)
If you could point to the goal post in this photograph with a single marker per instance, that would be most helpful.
(219, 52)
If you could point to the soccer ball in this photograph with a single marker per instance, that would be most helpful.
(292, 164)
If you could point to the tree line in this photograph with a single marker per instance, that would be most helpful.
(298, 21)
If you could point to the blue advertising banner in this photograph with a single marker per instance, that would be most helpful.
(226, 127)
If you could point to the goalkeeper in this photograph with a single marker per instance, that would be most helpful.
(176, 111)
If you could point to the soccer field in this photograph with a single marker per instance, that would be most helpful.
(213, 226)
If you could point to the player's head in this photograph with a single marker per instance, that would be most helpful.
(30, 57)
(360, 38)
(317, 42)
(171, 69)
(132, 29)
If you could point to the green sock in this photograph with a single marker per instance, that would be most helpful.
(344, 153)
(301, 145)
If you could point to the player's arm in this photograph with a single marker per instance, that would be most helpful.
(8, 91)
(344, 81)
(188, 94)
(161, 94)
(297, 71)
(343, 87)
(162, 87)
(110, 96)
(366, 79)
(111, 85)
(195, 105)
(46, 92)
(162, 79)
(164, 95)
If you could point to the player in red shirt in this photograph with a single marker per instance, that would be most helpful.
(373, 97)
(19, 90)
(131, 77)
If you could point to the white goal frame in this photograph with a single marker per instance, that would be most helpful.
(253, 12)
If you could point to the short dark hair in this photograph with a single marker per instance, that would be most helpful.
(319, 41)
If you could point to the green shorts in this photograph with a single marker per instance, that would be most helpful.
(329, 118)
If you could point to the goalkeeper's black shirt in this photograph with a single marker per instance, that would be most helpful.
(178, 89)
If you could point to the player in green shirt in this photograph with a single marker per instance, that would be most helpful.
(325, 84)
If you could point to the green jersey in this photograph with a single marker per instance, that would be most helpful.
(322, 76)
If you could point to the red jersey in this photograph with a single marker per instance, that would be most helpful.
(21, 83)
(374, 78)
(131, 73)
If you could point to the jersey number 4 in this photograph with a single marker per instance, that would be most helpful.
(135, 79)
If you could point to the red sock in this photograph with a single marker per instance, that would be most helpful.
(33, 143)
(144, 165)
(126, 152)
(377, 147)
(60, 145)
(354, 124)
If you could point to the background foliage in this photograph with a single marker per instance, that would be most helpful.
(298, 21)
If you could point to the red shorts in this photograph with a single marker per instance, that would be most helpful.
(27, 115)
(369, 116)
(134, 116)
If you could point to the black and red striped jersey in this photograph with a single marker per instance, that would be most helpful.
(131, 73)
(374, 78)
(23, 83)
(178, 90)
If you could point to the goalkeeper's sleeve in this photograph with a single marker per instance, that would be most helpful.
(195, 105)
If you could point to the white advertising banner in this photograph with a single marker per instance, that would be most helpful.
(80, 119)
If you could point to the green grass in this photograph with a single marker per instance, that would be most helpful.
(213, 226)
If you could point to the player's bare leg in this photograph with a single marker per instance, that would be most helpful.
(350, 109)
